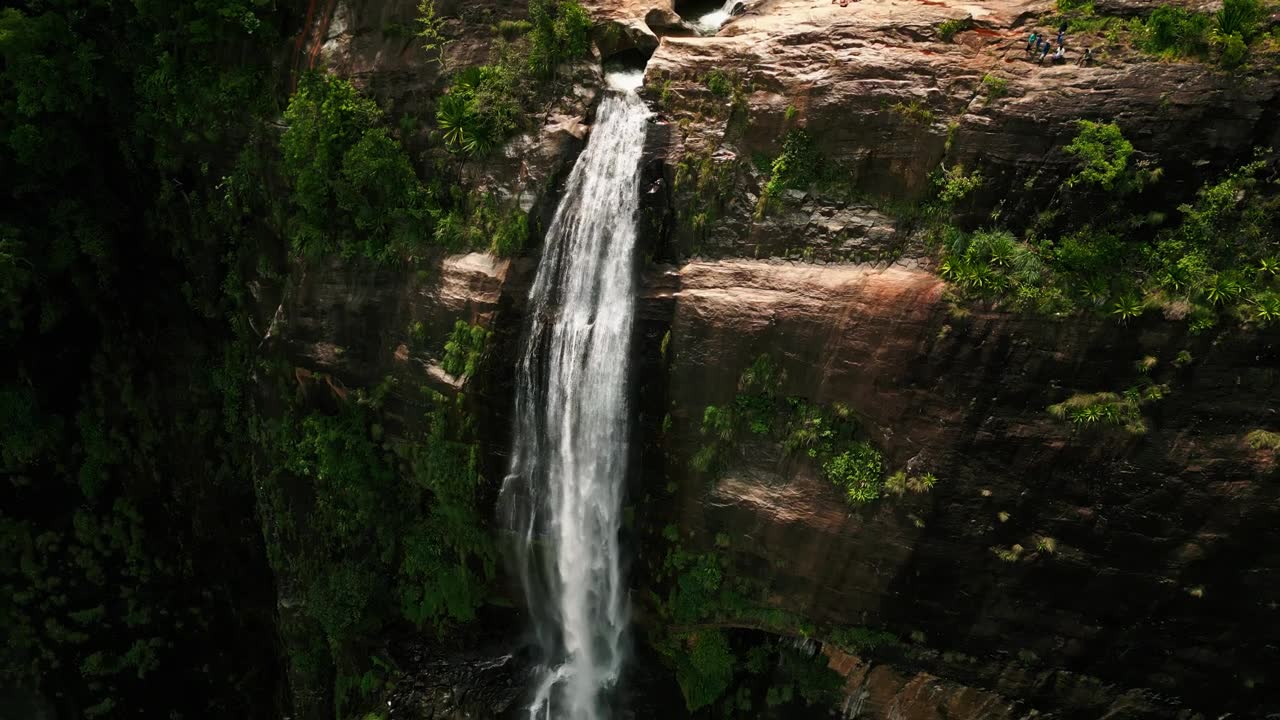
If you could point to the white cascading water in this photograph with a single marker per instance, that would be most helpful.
(563, 495)
(711, 23)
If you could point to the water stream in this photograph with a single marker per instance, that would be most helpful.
(563, 494)
(711, 23)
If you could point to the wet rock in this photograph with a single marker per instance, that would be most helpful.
(458, 686)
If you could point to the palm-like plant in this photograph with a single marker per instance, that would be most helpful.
(454, 117)
(1095, 289)
(1220, 289)
(1238, 17)
(1267, 309)
(1127, 306)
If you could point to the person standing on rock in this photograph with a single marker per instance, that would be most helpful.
(1031, 43)
(1044, 50)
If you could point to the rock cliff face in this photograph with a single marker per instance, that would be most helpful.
(1156, 580)
(1117, 620)
(1144, 583)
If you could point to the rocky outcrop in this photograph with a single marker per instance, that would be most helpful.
(889, 100)
(1156, 577)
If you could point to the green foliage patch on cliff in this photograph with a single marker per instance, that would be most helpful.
(353, 189)
(858, 472)
(1122, 410)
(860, 640)
(710, 181)
(796, 168)
(1225, 36)
(477, 222)
(826, 434)
(1103, 153)
(391, 529)
(1177, 32)
(695, 639)
(1218, 256)
(465, 349)
(1263, 440)
(485, 105)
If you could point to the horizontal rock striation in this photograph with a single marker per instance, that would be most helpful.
(1161, 574)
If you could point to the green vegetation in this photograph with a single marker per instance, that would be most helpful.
(955, 185)
(914, 111)
(1011, 554)
(378, 544)
(827, 435)
(720, 84)
(707, 670)
(560, 32)
(861, 640)
(708, 657)
(353, 189)
(430, 28)
(465, 350)
(1173, 32)
(710, 181)
(477, 222)
(995, 86)
(132, 147)
(948, 29)
(485, 105)
(991, 262)
(1219, 259)
(1103, 153)
(1226, 35)
(144, 416)
(798, 167)
(858, 472)
(1263, 440)
(900, 483)
(1123, 410)
(1046, 544)
(482, 108)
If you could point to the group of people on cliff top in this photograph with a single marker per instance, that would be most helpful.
(1040, 45)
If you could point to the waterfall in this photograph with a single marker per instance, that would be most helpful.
(563, 495)
(710, 23)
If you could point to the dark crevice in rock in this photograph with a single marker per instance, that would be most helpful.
(630, 59)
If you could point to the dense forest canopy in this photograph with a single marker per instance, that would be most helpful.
(131, 578)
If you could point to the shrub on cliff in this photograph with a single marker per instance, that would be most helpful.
(858, 471)
(352, 188)
(485, 105)
(561, 31)
(796, 168)
(1120, 410)
(481, 109)
(707, 670)
(1176, 32)
(1103, 153)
